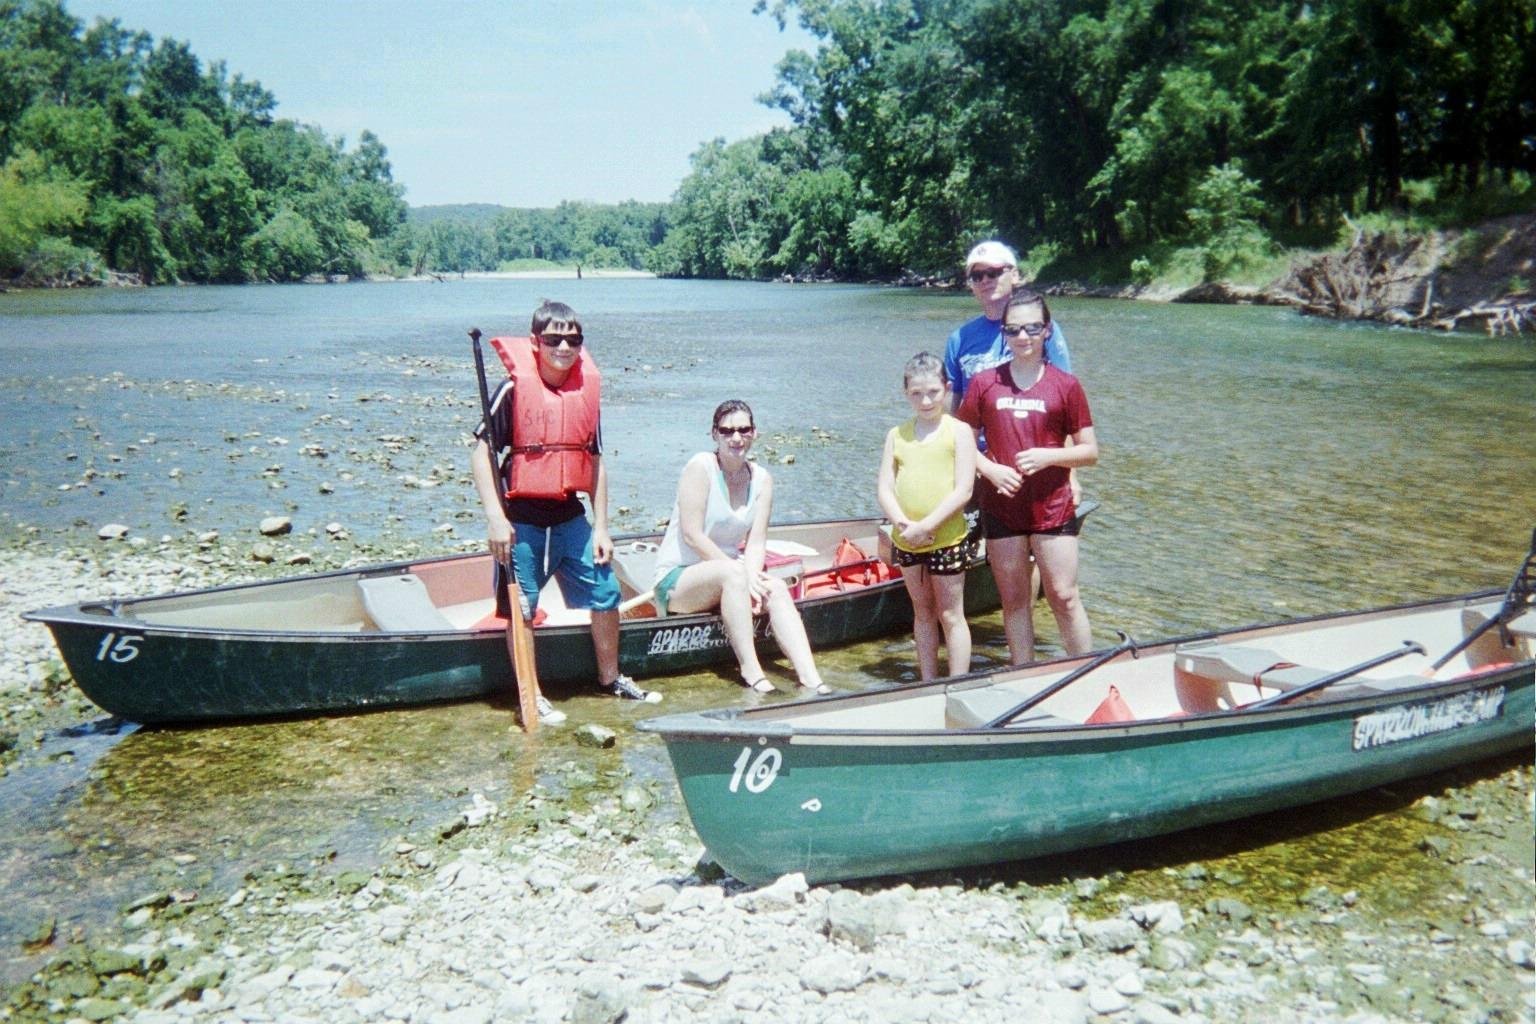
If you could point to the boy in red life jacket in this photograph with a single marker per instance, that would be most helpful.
(547, 439)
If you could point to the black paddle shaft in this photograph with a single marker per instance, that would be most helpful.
(485, 416)
(1126, 644)
(1409, 647)
(1521, 589)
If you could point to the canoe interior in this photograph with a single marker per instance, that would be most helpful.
(1179, 680)
(451, 594)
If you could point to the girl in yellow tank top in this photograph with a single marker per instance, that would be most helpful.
(926, 474)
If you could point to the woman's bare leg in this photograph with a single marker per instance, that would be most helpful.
(716, 584)
(789, 631)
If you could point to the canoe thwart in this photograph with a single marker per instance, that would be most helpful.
(1407, 647)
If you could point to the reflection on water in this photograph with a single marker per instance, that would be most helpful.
(1256, 465)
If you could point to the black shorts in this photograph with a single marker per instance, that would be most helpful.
(995, 529)
(947, 561)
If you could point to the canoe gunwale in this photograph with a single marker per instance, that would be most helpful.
(777, 721)
(107, 613)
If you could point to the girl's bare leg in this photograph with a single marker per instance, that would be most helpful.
(949, 597)
(1010, 567)
(925, 619)
(1057, 557)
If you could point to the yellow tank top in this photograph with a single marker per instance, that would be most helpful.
(925, 474)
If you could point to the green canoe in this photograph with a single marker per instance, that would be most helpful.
(415, 632)
(1186, 732)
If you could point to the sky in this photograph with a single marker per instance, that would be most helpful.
(521, 103)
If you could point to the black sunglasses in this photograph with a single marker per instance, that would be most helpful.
(735, 431)
(1033, 330)
(554, 340)
(990, 274)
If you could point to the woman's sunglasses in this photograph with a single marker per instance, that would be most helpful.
(735, 431)
(1033, 330)
(554, 340)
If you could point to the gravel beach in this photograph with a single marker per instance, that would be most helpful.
(597, 903)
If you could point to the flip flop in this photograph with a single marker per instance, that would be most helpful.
(820, 690)
(761, 686)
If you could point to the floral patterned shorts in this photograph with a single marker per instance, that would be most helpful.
(941, 561)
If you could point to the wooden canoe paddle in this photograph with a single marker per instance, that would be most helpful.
(519, 629)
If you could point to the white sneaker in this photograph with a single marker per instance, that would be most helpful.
(548, 713)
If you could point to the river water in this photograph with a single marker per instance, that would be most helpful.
(1255, 465)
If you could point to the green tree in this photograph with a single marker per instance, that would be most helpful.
(35, 205)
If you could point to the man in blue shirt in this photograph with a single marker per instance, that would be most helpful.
(992, 270)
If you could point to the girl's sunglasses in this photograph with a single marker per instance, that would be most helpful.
(1033, 330)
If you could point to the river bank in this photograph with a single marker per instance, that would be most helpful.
(583, 895)
(1480, 276)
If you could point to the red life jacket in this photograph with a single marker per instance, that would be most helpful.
(553, 429)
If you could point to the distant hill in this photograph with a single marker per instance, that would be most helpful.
(473, 213)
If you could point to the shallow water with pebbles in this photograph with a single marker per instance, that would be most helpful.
(1256, 465)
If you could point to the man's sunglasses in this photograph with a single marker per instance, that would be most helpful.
(554, 340)
(1033, 330)
(990, 274)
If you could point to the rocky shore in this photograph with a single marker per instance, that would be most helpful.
(595, 903)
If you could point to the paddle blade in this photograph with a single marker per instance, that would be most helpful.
(524, 667)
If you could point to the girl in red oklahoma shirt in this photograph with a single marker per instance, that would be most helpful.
(1038, 428)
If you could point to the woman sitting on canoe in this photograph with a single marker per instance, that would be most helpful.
(712, 554)
(1038, 430)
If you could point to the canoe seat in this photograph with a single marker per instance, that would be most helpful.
(973, 709)
(400, 604)
(634, 564)
(1489, 648)
(1235, 663)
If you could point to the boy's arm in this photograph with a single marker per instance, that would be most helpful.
(602, 543)
(499, 532)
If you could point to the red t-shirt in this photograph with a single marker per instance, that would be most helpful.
(1016, 419)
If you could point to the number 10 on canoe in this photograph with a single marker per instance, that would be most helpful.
(757, 773)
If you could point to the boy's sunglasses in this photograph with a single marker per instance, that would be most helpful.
(735, 431)
(990, 274)
(554, 340)
(1033, 330)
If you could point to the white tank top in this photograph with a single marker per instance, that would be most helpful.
(724, 525)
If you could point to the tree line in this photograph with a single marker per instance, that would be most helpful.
(120, 152)
(1128, 138)
(1133, 134)
(459, 238)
